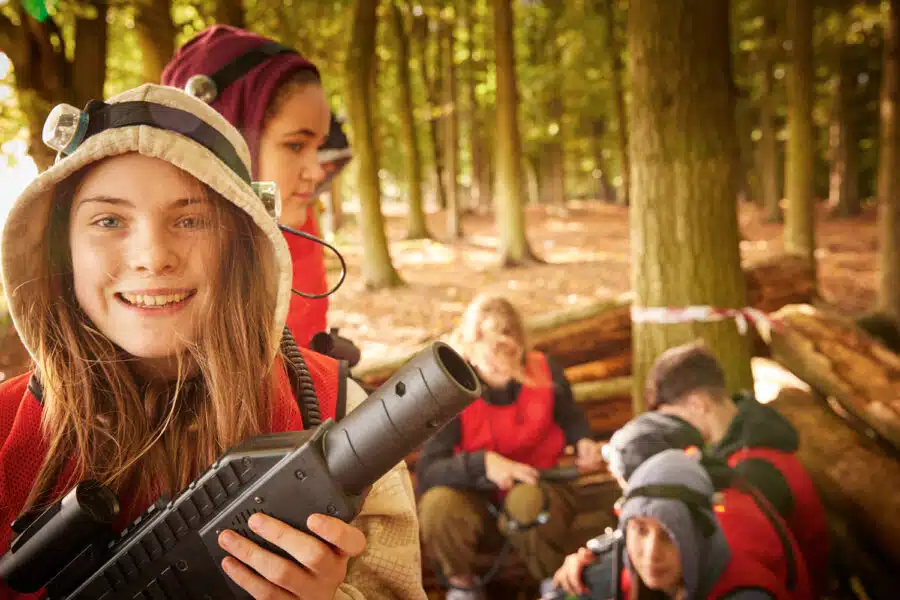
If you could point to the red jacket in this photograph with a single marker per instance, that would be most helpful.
(22, 446)
(306, 316)
(524, 431)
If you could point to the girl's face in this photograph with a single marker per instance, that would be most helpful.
(143, 255)
(497, 354)
(654, 554)
(289, 146)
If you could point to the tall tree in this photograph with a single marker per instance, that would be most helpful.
(44, 75)
(431, 77)
(450, 136)
(155, 34)
(799, 217)
(843, 189)
(768, 142)
(684, 233)
(889, 169)
(508, 192)
(615, 57)
(378, 271)
(479, 190)
(416, 227)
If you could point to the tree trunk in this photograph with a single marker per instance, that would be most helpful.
(447, 42)
(477, 190)
(852, 475)
(839, 359)
(684, 232)
(552, 160)
(799, 217)
(229, 12)
(843, 192)
(615, 56)
(89, 68)
(155, 34)
(510, 198)
(378, 272)
(431, 78)
(768, 143)
(889, 170)
(416, 227)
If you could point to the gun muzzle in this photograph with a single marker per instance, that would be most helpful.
(420, 399)
(51, 540)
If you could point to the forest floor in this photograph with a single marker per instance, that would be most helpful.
(586, 249)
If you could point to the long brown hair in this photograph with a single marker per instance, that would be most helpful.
(490, 319)
(141, 437)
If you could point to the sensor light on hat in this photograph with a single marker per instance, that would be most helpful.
(270, 196)
(64, 128)
(202, 87)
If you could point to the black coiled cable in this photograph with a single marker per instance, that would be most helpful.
(301, 382)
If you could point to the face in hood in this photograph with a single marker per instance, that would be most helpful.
(644, 436)
(657, 491)
(757, 425)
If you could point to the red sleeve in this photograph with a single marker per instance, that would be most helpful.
(307, 317)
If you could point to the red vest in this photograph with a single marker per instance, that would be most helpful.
(740, 573)
(307, 316)
(752, 535)
(523, 431)
(22, 447)
(807, 519)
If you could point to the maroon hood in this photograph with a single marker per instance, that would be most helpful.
(244, 102)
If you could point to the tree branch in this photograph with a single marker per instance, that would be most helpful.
(10, 40)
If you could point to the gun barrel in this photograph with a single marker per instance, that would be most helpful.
(420, 399)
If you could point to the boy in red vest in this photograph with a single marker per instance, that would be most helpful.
(687, 381)
(494, 452)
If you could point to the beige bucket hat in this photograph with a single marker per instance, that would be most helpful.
(146, 120)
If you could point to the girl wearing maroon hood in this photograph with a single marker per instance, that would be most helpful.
(275, 98)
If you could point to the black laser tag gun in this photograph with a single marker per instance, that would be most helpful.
(171, 551)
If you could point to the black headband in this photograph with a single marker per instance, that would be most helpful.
(208, 87)
(102, 116)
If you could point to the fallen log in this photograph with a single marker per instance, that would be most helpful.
(855, 478)
(614, 366)
(601, 331)
(840, 360)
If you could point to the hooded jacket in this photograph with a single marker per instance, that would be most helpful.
(711, 569)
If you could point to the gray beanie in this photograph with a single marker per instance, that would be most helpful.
(704, 552)
(644, 436)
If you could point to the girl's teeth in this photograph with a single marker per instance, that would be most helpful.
(146, 300)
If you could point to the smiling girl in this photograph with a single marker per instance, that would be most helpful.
(275, 98)
(150, 283)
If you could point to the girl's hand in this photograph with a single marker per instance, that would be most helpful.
(568, 577)
(589, 454)
(504, 473)
(323, 566)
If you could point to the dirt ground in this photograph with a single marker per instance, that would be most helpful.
(586, 247)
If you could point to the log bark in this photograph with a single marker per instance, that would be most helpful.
(854, 477)
(595, 370)
(841, 361)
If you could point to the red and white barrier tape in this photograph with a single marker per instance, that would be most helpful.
(700, 313)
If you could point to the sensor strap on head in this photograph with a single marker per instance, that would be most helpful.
(67, 127)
